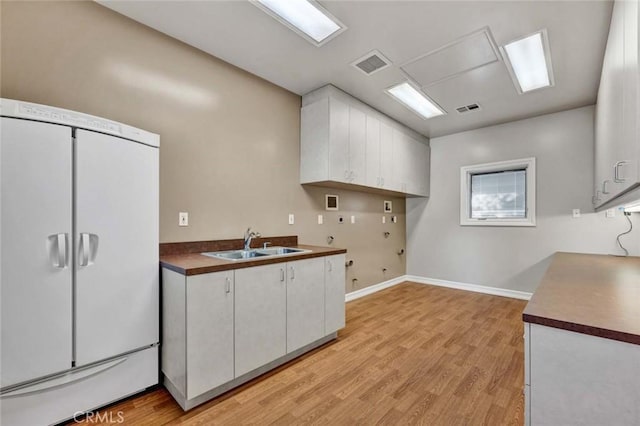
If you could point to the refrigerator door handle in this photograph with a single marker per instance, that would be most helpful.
(84, 249)
(58, 253)
(88, 248)
(62, 251)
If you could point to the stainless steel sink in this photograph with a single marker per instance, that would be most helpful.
(235, 254)
(279, 251)
(251, 254)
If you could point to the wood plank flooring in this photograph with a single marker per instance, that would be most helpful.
(411, 354)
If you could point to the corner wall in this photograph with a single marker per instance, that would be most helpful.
(513, 257)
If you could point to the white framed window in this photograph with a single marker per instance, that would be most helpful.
(499, 194)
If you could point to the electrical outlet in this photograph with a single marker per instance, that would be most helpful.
(611, 213)
(183, 219)
(353, 219)
(320, 219)
(576, 213)
(292, 219)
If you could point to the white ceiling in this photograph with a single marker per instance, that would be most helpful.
(245, 36)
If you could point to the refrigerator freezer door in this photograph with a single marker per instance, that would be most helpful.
(117, 275)
(36, 188)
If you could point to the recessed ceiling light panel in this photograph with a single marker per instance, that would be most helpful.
(528, 60)
(415, 100)
(305, 17)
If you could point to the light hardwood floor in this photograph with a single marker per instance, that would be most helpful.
(411, 354)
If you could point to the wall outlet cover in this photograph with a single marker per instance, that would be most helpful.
(183, 219)
(384, 219)
(353, 219)
(292, 219)
(320, 219)
(611, 213)
(576, 213)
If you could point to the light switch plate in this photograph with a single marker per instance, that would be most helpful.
(320, 219)
(183, 219)
(353, 219)
(292, 219)
(384, 219)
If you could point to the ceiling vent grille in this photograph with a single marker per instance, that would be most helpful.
(372, 62)
(468, 108)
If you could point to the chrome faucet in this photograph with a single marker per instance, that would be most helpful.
(248, 236)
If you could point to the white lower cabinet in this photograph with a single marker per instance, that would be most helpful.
(334, 317)
(579, 379)
(222, 329)
(209, 329)
(305, 302)
(261, 316)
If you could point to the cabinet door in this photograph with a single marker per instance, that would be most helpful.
(36, 167)
(609, 113)
(209, 331)
(334, 293)
(398, 176)
(386, 156)
(314, 142)
(357, 145)
(372, 153)
(417, 167)
(305, 302)
(628, 149)
(338, 141)
(117, 276)
(260, 316)
(577, 379)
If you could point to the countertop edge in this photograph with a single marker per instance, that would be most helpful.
(231, 265)
(604, 333)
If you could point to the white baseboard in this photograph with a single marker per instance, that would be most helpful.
(514, 294)
(374, 288)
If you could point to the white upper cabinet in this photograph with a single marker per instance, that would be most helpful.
(373, 153)
(345, 142)
(617, 134)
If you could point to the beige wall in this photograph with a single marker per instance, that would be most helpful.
(229, 141)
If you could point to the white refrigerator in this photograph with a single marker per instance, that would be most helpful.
(79, 289)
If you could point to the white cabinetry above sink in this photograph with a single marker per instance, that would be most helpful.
(345, 143)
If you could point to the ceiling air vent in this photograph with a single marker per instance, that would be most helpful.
(372, 62)
(468, 108)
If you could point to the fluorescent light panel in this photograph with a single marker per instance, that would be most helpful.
(413, 99)
(530, 63)
(304, 16)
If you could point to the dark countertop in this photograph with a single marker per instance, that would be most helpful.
(590, 294)
(195, 263)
